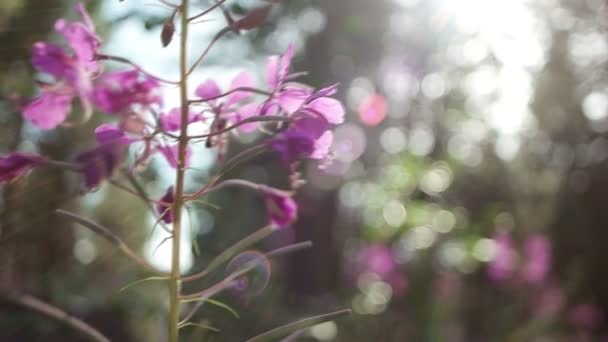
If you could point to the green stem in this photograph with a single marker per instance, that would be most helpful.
(174, 281)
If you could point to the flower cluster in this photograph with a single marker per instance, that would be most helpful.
(296, 118)
(532, 267)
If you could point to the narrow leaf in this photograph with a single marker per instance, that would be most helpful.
(141, 281)
(216, 303)
(199, 325)
(94, 226)
(285, 330)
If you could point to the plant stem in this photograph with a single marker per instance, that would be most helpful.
(174, 282)
(58, 314)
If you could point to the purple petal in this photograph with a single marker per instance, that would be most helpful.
(15, 165)
(292, 99)
(322, 146)
(282, 209)
(330, 108)
(48, 110)
(82, 38)
(286, 61)
(99, 163)
(110, 133)
(171, 122)
(171, 153)
(272, 73)
(245, 112)
(118, 91)
(277, 67)
(208, 89)
(242, 80)
(84, 42)
(51, 59)
(164, 208)
(84, 15)
(306, 137)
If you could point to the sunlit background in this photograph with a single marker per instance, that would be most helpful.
(465, 201)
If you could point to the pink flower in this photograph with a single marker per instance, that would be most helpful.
(15, 165)
(306, 137)
(282, 209)
(120, 91)
(372, 110)
(377, 259)
(48, 110)
(277, 67)
(164, 207)
(99, 163)
(171, 122)
(502, 265)
(538, 259)
(286, 96)
(231, 107)
(72, 73)
(586, 316)
(170, 152)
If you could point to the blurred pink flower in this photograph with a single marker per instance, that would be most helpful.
(537, 251)
(378, 259)
(15, 165)
(282, 209)
(502, 265)
(117, 92)
(72, 73)
(163, 208)
(372, 110)
(230, 107)
(306, 137)
(585, 316)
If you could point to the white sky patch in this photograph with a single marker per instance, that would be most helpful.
(517, 38)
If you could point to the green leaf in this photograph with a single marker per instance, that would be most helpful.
(199, 325)
(285, 330)
(141, 281)
(216, 303)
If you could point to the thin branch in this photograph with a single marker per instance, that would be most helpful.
(100, 56)
(51, 311)
(109, 236)
(211, 8)
(259, 118)
(274, 253)
(231, 91)
(228, 253)
(207, 49)
(290, 328)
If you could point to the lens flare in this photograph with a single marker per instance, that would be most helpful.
(253, 282)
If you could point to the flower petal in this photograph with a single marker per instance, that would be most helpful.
(51, 59)
(282, 209)
(117, 91)
(48, 110)
(171, 122)
(164, 208)
(242, 80)
(171, 153)
(330, 108)
(245, 112)
(208, 89)
(17, 164)
(292, 99)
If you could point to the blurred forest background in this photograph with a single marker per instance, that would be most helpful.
(465, 203)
